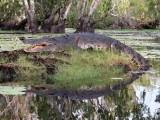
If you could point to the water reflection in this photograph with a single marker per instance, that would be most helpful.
(91, 93)
(131, 99)
(119, 105)
(15, 107)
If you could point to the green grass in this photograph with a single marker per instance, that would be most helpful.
(85, 69)
(90, 69)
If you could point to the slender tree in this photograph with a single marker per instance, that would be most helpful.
(31, 18)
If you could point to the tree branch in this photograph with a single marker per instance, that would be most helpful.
(8, 104)
(110, 12)
(83, 7)
(106, 15)
(93, 7)
(52, 15)
(26, 5)
(67, 10)
(79, 8)
(32, 6)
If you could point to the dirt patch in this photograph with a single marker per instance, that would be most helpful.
(8, 72)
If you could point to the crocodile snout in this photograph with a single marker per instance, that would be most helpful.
(39, 47)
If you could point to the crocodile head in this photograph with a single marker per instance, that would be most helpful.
(44, 46)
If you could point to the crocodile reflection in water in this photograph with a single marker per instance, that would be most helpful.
(48, 107)
(67, 106)
(90, 94)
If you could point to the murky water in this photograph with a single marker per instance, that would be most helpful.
(134, 99)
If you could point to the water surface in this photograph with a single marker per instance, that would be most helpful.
(138, 99)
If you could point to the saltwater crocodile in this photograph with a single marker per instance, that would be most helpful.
(84, 41)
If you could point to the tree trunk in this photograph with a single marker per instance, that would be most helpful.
(31, 18)
(60, 28)
(13, 25)
(52, 25)
(84, 25)
(84, 19)
(57, 24)
(21, 25)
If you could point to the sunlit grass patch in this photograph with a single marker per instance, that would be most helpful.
(90, 68)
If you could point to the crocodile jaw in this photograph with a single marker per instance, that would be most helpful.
(37, 48)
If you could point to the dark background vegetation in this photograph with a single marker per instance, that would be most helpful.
(84, 15)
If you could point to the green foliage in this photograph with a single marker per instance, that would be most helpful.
(11, 9)
(154, 9)
(143, 10)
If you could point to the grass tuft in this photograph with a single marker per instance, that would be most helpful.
(94, 68)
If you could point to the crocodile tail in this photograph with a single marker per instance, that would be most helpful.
(135, 56)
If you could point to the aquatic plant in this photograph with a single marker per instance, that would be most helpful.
(10, 90)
